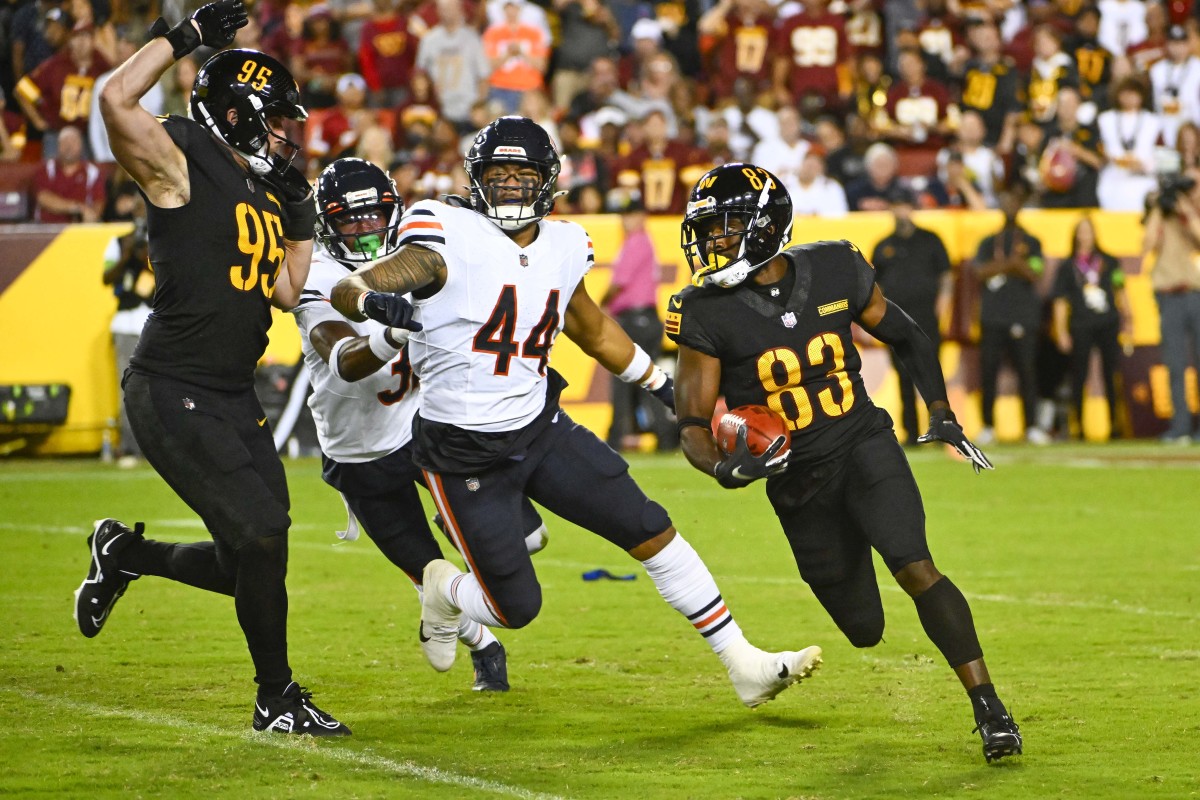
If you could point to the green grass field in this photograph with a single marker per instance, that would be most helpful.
(1082, 565)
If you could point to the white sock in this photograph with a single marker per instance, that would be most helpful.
(475, 636)
(466, 594)
(685, 583)
(535, 542)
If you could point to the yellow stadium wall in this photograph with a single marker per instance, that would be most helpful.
(54, 316)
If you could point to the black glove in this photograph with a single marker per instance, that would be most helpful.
(390, 309)
(742, 468)
(218, 22)
(943, 427)
(665, 394)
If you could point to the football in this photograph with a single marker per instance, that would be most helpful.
(763, 426)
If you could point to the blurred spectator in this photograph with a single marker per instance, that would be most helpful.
(1093, 63)
(248, 37)
(783, 153)
(323, 57)
(1025, 161)
(127, 270)
(749, 121)
(1122, 24)
(1128, 135)
(655, 87)
(917, 106)
(580, 166)
(442, 169)
(12, 132)
(864, 27)
(1008, 264)
(67, 188)
(678, 19)
(816, 194)
(451, 53)
(531, 14)
(176, 85)
(352, 15)
(939, 32)
(843, 161)
(387, 52)
(645, 43)
(286, 40)
(991, 88)
(332, 134)
(588, 31)
(872, 190)
(518, 54)
(587, 199)
(813, 56)
(1175, 83)
(603, 89)
(632, 300)
(127, 44)
(375, 145)
(1051, 71)
(536, 106)
(1172, 235)
(983, 166)
(913, 269)
(736, 35)
(1150, 50)
(420, 107)
(1090, 310)
(59, 91)
(662, 170)
(39, 30)
(961, 191)
(716, 143)
(1187, 144)
(871, 85)
(1021, 48)
(1071, 160)
(122, 197)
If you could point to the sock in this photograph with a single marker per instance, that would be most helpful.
(466, 594)
(475, 636)
(193, 564)
(984, 702)
(262, 605)
(536, 540)
(685, 583)
(946, 618)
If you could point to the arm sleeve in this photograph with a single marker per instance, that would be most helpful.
(916, 353)
(864, 274)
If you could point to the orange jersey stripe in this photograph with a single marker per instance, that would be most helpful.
(435, 225)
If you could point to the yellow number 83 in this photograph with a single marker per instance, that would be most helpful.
(260, 80)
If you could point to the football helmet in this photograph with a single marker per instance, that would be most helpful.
(517, 140)
(762, 207)
(257, 87)
(351, 190)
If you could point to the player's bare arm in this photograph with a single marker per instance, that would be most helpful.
(412, 269)
(138, 141)
(598, 334)
(697, 384)
(353, 357)
(293, 273)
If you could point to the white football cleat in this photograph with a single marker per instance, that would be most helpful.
(439, 619)
(758, 675)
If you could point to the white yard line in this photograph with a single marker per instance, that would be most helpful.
(302, 745)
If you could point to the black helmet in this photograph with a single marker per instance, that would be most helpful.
(257, 87)
(735, 191)
(513, 140)
(349, 190)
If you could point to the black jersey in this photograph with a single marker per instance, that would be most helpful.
(215, 262)
(792, 352)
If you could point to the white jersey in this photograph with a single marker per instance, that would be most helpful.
(364, 420)
(1176, 95)
(482, 357)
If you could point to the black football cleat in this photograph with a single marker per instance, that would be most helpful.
(491, 668)
(105, 583)
(294, 712)
(1000, 734)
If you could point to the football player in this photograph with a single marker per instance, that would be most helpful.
(494, 283)
(365, 394)
(230, 229)
(766, 326)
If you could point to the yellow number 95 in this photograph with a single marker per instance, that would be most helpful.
(260, 80)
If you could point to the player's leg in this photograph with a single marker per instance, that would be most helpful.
(887, 507)
(585, 482)
(484, 520)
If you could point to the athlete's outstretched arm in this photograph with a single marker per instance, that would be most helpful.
(138, 141)
(351, 356)
(412, 268)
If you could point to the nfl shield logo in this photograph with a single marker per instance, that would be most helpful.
(473, 483)
(789, 320)
(524, 260)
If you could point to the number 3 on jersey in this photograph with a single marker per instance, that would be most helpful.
(782, 375)
(496, 335)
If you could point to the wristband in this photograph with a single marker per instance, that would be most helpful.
(361, 304)
(335, 353)
(183, 38)
(381, 348)
(656, 381)
(693, 422)
(637, 366)
(301, 220)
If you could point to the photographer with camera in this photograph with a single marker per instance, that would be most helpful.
(127, 270)
(1172, 234)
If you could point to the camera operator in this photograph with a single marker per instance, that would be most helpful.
(127, 270)
(1172, 233)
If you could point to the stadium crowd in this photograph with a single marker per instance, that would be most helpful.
(843, 100)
